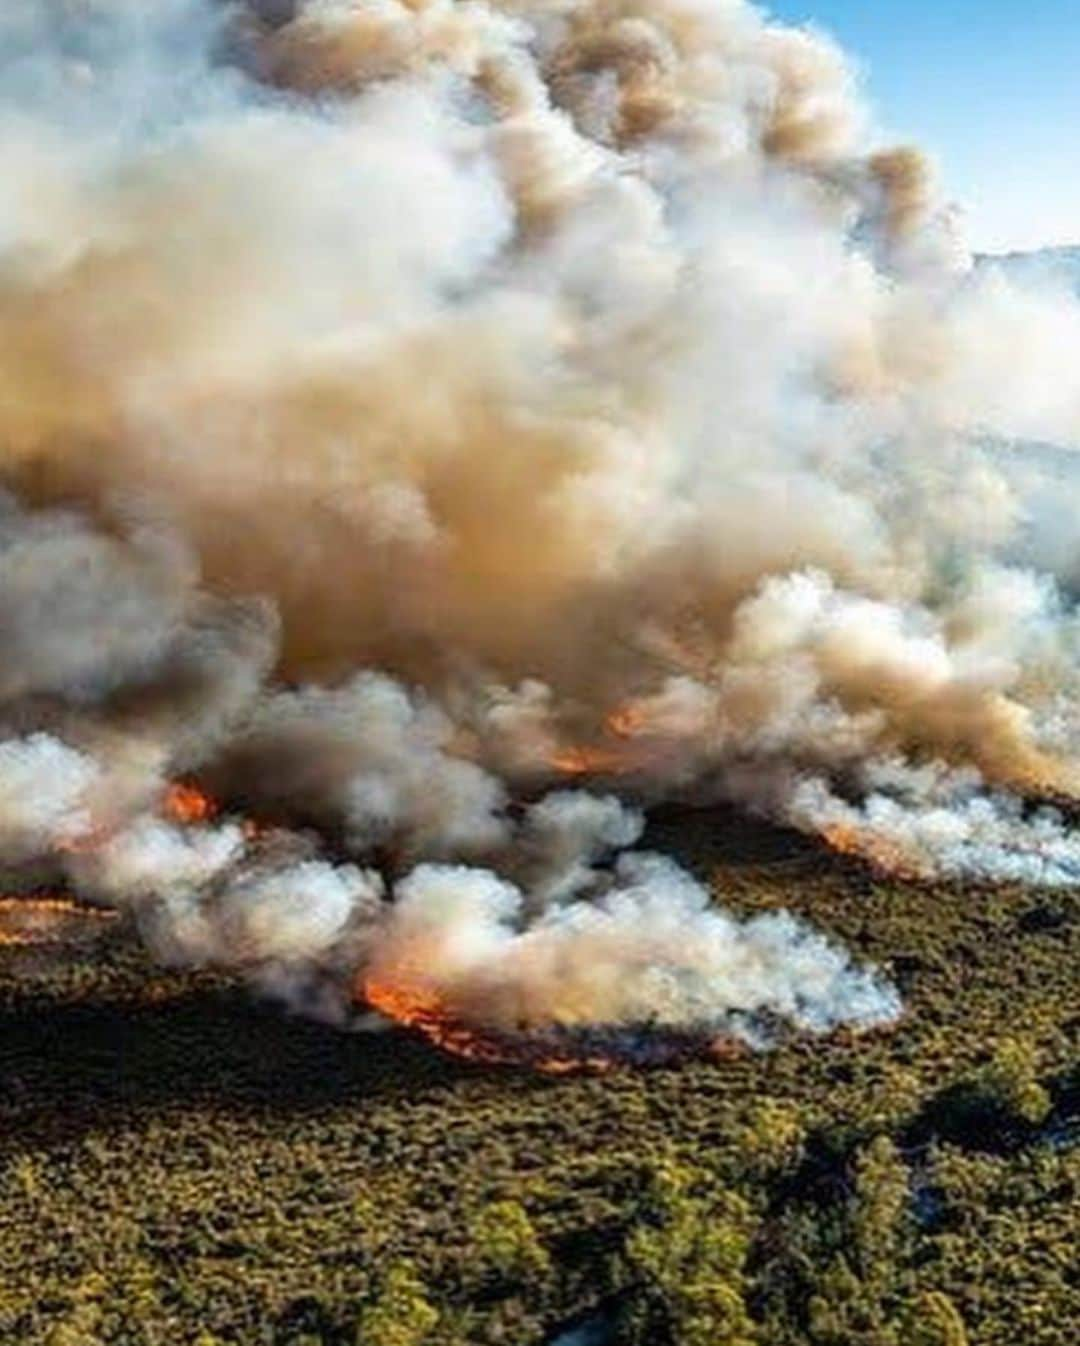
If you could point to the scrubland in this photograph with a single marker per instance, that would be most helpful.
(182, 1166)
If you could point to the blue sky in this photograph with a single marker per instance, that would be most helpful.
(990, 87)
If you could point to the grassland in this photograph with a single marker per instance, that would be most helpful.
(179, 1164)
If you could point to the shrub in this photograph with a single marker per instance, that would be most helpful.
(506, 1243)
(686, 1261)
(934, 1321)
(1009, 1083)
(400, 1314)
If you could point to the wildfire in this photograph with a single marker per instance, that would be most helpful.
(189, 806)
(626, 721)
(553, 1050)
(186, 803)
(877, 851)
(603, 759)
(584, 760)
(183, 803)
(424, 1012)
(50, 919)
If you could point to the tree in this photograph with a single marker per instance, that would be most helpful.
(842, 1311)
(856, 1296)
(506, 1243)
(78, 1328)
(686, 1259)
(400, 1314)
(1010, 1084)
(773, 1137)
(879, 1209)
(934, 1321)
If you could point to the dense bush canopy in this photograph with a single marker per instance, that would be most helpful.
(181, 1166)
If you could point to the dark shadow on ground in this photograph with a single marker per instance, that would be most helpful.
(68, 1067)
(719, 832)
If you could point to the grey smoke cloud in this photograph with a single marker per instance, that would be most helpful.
(411, 411)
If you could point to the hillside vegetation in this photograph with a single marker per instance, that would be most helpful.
(180, 1166)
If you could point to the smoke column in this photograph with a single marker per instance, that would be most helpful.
(444, 430)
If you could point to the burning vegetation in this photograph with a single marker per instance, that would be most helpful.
(432, 436)
(395, 550)
(550, 1049)
(38, 919)
(185, 802)
(280, 1173)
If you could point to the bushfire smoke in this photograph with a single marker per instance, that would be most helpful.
(412, 410)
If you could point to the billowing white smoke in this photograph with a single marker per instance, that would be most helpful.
(929, 821)
(45, 793)
(649, 950)
(581, 399)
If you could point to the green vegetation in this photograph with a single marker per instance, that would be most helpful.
(180, 1166)
(400, 1314)
(505, 1243)
(684, 1262)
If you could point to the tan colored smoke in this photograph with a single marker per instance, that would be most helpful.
(575, 389)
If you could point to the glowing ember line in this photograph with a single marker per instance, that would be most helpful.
(589, 760)
(425, 1013)
(45, 920)
(881, 853)
(554, 1050)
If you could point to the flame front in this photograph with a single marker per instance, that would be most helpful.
(552, 1050)
(45, 919)
(52, 917)
(587, 760)
(423, 1011)
(880, 852)
(428, 1015)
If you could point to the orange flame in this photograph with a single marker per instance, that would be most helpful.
(626, 721)
(182, 803)
(424, 1012)
(550, 1050)
(881, 853)
(618, 755)
(583, 760)
(186, 803)
(46, 919)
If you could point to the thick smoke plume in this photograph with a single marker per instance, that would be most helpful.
(410, 410)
